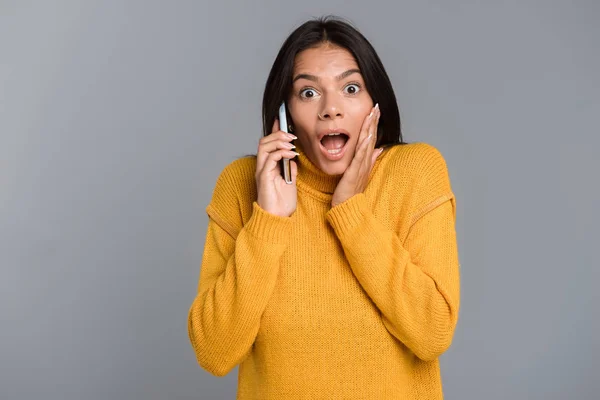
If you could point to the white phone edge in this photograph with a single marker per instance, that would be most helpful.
(287, 168)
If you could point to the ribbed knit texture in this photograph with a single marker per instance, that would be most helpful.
(352, 302)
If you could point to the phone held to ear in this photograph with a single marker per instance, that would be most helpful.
(286, 167)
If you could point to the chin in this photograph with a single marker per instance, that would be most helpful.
(334, 167)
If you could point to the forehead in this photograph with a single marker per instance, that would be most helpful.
(324, 60)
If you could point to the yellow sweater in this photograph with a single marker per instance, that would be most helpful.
(357, 301)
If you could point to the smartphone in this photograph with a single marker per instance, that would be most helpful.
(286, 167)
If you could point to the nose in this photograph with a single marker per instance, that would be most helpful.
(331, 110)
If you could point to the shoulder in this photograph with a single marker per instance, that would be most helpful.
(421, 169)
(418, 158)
(237, 174)
(233, 193)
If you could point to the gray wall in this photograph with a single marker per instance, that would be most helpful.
(117, 116)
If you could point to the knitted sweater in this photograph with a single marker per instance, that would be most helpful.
(357, 301)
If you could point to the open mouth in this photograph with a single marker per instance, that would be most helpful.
(334, 143)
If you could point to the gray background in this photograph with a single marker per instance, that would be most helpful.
(116, 118)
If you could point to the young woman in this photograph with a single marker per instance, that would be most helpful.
(345, 283)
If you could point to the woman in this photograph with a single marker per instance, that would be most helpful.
(345, 283)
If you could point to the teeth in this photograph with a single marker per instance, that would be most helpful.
(333, 134)
(334, 151)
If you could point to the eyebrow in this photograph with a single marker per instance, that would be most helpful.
(316, 78)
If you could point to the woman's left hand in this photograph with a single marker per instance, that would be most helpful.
(356, 176)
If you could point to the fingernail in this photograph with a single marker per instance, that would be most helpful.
(292, 136)
(295, 153)
(377, 105)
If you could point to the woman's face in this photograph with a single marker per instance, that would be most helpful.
(326, 81)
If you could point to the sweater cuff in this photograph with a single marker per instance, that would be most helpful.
(269, 227)
(349, 215)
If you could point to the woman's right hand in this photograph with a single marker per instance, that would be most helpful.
(275, 195)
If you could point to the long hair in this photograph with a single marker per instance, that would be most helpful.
(337, 31)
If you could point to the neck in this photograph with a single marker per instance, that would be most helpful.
(312, 175)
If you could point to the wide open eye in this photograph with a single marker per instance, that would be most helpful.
(313, 93)
(355, 88)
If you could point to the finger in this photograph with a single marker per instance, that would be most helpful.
(277, 136)
(361, 151)
(262, 153)
(272, 162)
(364, 130)
(369, 140)
(267, 148)
(266, 163)
(294, 171)
(272, 142)
(376, 153)
(373, 134)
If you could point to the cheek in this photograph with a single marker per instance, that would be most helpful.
(358, 121)
(303, 124)
(360, 113)
(302, 131)
(300, 119)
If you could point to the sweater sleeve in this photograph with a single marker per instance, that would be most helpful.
(237, 277)
(414, 282)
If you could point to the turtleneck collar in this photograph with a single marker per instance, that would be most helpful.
(310, 175)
